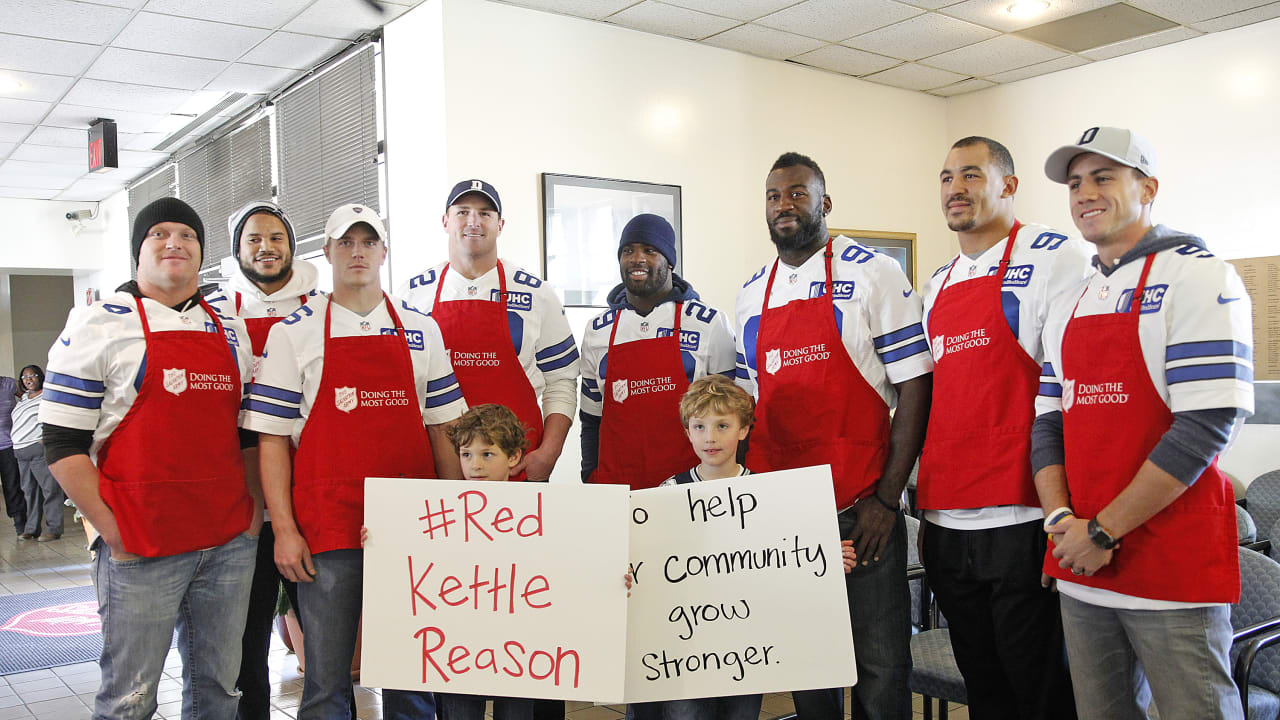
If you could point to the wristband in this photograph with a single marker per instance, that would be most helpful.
(1057, 516)
(887, 506)
(1100, 536)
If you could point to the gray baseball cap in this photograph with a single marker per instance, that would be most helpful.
(1124, 146)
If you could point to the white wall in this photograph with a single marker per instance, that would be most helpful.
(112, 229)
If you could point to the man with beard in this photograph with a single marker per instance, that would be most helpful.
(654, 330)
(983, 540)
(269, 287)
(829, 338)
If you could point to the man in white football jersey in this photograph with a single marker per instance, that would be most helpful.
(983, 540)
(638, 358)
(829, 338)
(1148, 368)
(140, 410)
(349, 380)
(504, 327)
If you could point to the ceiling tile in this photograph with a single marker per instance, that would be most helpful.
(170, 71)
(836, 20)
(50, 154)
(994, 14)
(143, 141)
(69, 171)
(6, 148)
(46, 56)
(90, 190)
(190, 38)
(1095, 28)
(998, 54)
(1192, 11)
(346, 19)
(915, 77)
(921, 36)
(27, 193)
(20, 111)
(1226, 22)
(37, 86)
(60, 137)
(130, 4)
(126, 96)
(141, 160)
(593, 9)
(962, 87)
(13, 132)
(931, 4)
(736, 9)
(1146, 42)
(63, 20)
(246, 78)
(291, 50)
(763, 41)
(846, 60)
(1044, 68)
(66, 115)
(254, 13)
(656, 17)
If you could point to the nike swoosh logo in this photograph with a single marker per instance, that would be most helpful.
(906, 293)
(65, 341)
(1224, 301)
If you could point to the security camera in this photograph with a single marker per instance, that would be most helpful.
(80, 215)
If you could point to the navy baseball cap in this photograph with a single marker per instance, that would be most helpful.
(474, 186)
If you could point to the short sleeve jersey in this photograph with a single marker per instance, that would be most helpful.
(96, 365)
(289, 378)
(706, 343)
(877, 312)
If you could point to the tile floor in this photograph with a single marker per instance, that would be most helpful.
(66, 693)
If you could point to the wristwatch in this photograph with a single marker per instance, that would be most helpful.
(1100, 536)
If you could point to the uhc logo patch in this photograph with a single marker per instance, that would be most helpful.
(1152, 298)
(414, 337)
(515, 300)
(688, 338)
(843, 289)
(1015, 275)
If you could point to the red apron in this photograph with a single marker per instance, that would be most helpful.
(650, 382)
(172, 471)
(977, 452)
(347, 439)
(260, 327)
(1187, 552)
(815, 407)
(484, 357)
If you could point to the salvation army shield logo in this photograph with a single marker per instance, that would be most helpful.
(939, 347)
(345, 399)
(773, 361)
(175, 380)
(1068, 394)
(621, 389)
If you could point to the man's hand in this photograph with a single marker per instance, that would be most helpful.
(293, 556)
(118, 553)
(538, 464)
(871, 531)
(1073, 548)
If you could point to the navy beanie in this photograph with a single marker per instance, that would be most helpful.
(168, 209)
(650, 230)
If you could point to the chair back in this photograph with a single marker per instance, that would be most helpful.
(1262, 499)
(1246, 529)
(1259, 601)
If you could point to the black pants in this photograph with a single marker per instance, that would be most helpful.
(15, 503)
(1006, 630)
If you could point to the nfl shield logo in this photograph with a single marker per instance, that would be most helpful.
(271, 312)
(644, 327)
(345, 399)
(1068, 394)
(175, 380)
(365, 326)
(939, 347)
(620, 390)
(773, 361)
(472, 290)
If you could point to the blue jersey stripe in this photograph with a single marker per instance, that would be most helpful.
(275, 393)
(71, 381)
(591, 393)
(554, 350)
(905, 351)
(567, 359)
(1050, 390)
(272, 409)
(80, 401)
(898, 336)
(441, 383)
(1047, 369)
(1216, 371)
(435, 401)
(1207, 348)
(591, 383)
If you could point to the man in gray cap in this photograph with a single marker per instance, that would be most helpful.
(1148, 367)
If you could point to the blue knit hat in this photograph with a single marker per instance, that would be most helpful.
(650, 230)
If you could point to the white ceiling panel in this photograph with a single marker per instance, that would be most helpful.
(125, 96)
(269, 14)
(45, 56)
(1172, 35)
(931, 4)
(915, 77)
(143, 141)
(27, 193)
(290, 50)
(836, 20)
(187, 37)
(846, 60)
(63, 20)
(1226, 22)
(1023, 73)
(91, 190)
(921, 36)
(764, 41)
(68, 171)
(13, 132)
(6, 148)
(656, 17)
(22, 111)
(995, 14)
(60, 137)
(964, 86)
(246, 78)
(592, 9)
(736, 9)
(144, 68)
(37, 86)
(129, 4)
(346, 19)
(51, 154)
(1193, 11)
(141, 160)
(66, 115)
(996, 55)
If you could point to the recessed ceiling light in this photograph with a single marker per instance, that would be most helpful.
(9, 84)
(1027, 8)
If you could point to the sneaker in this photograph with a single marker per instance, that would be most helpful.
(47, 537)
(27, 536)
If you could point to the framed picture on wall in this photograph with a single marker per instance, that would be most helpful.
(582, 218)
(900, 246)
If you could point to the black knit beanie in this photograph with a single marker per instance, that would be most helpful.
(168, 209)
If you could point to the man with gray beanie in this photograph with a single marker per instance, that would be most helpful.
(655, 329)
(140, 413)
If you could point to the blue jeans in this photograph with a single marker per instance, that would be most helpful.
(471, 707)
(329, 608)
(1121, 659)
(205, 594)
(880, 615)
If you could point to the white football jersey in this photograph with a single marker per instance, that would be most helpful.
(539, 331)
(282, 396)
(706, 343)
(877, 312)
(96, 365)
(256, 304)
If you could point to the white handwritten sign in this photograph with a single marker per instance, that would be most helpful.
(739, 589)
(511, 589)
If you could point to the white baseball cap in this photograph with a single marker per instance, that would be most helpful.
(347, 215)
(1124, 146)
